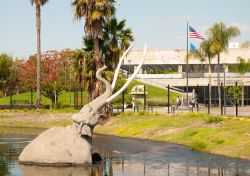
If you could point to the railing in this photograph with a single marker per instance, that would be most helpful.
(190, 75)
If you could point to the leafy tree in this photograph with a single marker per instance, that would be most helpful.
(77, 59)
(84, 67)
(96, 14)
(7, 75)
(241, 68)
(38, 4)
(27, 75)
(205, 54)
(55, 69)
(220, 34)
(234, 92)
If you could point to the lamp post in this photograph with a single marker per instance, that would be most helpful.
(224, 92)
(129, 60)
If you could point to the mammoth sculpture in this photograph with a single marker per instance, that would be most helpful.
(72, 145)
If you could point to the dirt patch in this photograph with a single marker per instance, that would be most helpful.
(169, 131)
(38, 117)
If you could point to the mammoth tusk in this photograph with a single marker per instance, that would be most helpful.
(130, 78)
(119, 65)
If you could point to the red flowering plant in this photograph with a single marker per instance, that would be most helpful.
(54, 73)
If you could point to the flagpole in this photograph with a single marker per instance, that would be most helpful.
(187, 66)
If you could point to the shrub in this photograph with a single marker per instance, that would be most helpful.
(46, 106)
(157, 102)
(213, 119)
(143, 113)
(198, 144)
(218, 141)
(189, 133)
(138, 102)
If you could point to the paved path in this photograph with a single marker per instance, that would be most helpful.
(230, 111)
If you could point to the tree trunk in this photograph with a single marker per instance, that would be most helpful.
(38, 28)
(94, 87)
(55, 98)
(209, 81)
(97, 57)
(91, 87)
(218, 80)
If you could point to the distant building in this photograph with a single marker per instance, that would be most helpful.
(233, 45)
(163, 67)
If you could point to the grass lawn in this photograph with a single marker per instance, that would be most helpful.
(64, 98)
(154, 93)
(214, 134)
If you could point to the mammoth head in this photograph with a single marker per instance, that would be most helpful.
(89, 114)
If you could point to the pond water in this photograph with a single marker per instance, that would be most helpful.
(124, 157)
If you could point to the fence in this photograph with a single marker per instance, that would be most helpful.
(27, 99)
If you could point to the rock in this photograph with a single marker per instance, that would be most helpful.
(57, 146)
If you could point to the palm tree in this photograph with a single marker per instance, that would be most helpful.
(96, 14)
(221, 35)
(205, 54)
(242, 68)
(38, 4)
(116, 39)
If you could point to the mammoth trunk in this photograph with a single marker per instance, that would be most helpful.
(100, 101)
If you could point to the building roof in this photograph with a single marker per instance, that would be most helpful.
(178, 57)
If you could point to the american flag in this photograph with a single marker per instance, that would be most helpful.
(194, 34)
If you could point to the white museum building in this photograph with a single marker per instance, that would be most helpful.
(168, 67)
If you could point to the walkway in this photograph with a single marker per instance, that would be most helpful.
(230, 111)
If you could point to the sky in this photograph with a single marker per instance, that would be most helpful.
(159, 23)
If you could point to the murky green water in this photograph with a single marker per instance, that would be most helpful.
(124, 157)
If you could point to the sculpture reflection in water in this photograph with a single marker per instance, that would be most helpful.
(128, 167)
(103, 169)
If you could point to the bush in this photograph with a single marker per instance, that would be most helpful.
(198, 144)
(46, 106)
(213, 119)
(157, 102)
(189, 133)
(143, 113)
(218, 141)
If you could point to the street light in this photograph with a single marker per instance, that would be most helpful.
(224, 92)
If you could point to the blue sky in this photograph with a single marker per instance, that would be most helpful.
(160, 23)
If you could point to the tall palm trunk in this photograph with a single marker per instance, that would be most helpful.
(94, 86)
(209, 82)
(218, 79)
(97, 53)
(38, 29)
